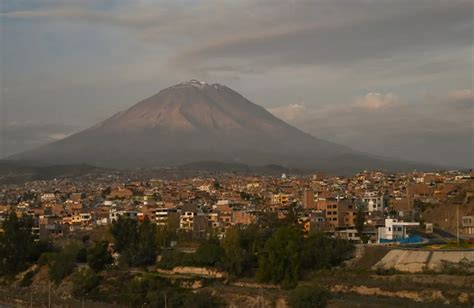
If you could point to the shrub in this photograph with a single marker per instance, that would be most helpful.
(308, 297)
(63, 263)
(83, 282)
(99, 256)
(209, 254)
(28, 278)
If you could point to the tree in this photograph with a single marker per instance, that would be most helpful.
(147, 243)
(98, 256)
(84, 281)
(62, 264)
(209, 253)
(233, 252)
(320, 251)
(137, 243)
(279, 262)
(308, 297)
(360, 218)
(17, 246)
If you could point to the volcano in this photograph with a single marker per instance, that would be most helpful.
(195, 121)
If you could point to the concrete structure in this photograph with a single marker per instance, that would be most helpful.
(415, 261)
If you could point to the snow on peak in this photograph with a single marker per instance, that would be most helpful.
(194, 83)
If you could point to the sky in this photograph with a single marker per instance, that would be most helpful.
(387, 77)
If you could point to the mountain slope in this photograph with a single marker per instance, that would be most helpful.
(195, 121)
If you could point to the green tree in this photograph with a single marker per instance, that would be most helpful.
(360, 218)
(98, 256)
(147, 243)
(320, 251)
(209, 254)
(62, 264)
(308, 297)
(84, 281)
(137, 243)
(279, 262)
(233, 252)
(17, 246)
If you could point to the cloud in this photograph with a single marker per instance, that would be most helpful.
(462, 95)
(374, 100)
(18, 137)
(290, 112)
(431, 128)
(79, 61)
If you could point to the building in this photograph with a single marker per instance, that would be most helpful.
(340, 213)
(308, 199)
(467, 225)
(186, 219)
(280, 198)
(114, 215)
(374, 201)
(164, 215)
(395, 230)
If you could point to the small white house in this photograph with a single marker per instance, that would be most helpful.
(395, 229)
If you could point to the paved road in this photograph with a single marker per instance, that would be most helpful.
(444, 233)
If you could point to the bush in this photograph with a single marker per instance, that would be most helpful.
(99, 256)
(308, 297)
(209, 254)
(84, 282)
(46, 258)
(201, 300)
(28, 278)
(63, 263)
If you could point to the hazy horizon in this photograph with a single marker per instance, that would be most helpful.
(389, 78)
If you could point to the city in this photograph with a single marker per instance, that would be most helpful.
(250, 153)
(194, 218)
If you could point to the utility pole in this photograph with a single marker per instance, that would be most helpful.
(49, 294)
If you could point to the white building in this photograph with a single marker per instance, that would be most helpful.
(395, 229)
(114, 215)
(374, 201)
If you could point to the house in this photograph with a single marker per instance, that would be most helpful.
(114, 215)
(374, 201)
(395, 230)
(164, 215)
(467, 225)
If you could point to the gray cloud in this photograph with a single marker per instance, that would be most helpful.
(18, 137)
(433, 129)
(371, 31)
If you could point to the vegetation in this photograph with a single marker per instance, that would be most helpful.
(98, 256)
(84, 281)
(62, 264)
(137, 243)
(280, 259)
(17, 247)
(154, 291)
(308, 297)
